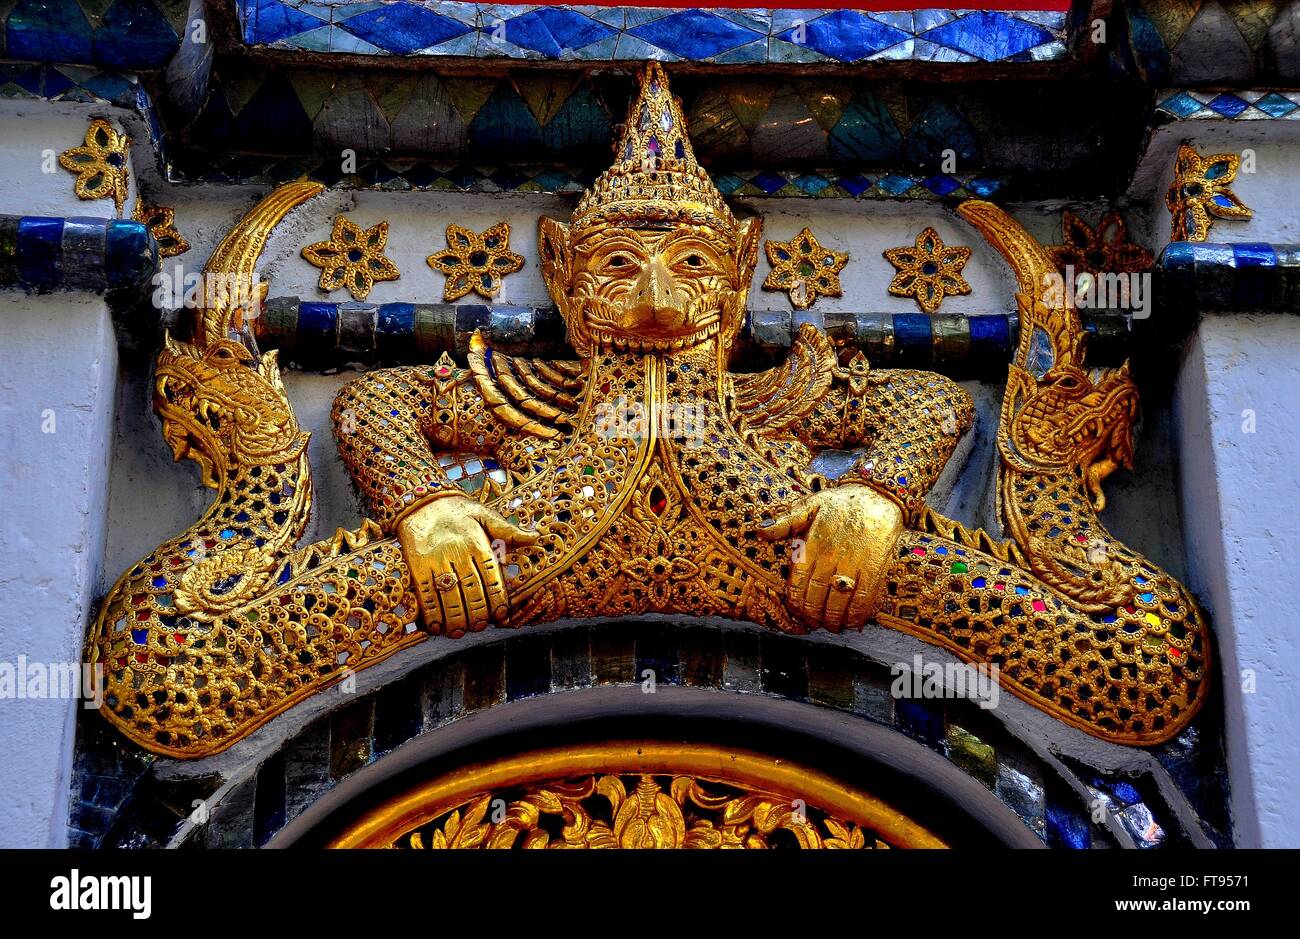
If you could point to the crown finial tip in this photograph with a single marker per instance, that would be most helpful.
(655, 172)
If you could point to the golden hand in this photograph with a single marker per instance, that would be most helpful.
(845, 539)
(448, 546)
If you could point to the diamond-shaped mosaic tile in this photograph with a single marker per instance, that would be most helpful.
(989, 36)
(1275, 105)
(269, 21)
(403, 28)
(552, 30)
(845, 35)
(695, 34)
(1251, 105)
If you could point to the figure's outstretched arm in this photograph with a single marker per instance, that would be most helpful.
(908, 421)
(392, 423)
(391, 426)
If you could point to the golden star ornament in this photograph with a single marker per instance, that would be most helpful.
(475, 263)
(352, 258)
(1199, 191)
(928, 271)
(804, 269)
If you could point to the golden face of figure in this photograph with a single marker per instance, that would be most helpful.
(649, 287)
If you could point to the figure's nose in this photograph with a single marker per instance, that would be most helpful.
(654, 292)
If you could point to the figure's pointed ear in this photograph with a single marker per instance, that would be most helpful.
(747, 240)
(557, 258)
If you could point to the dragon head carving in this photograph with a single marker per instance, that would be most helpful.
(1073, 417)
(1056, 414)
(221, 409)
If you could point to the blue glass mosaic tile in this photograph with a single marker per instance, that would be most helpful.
(719, 35)
(1182, 104)
(133, 33)
(940, 185)
(404, 27)
(48, 31)
(88, 254)
(130, 254)
(855, 184)
(866, 132)
(1275, 105)
(846, 35)
(1233, 277)
(1067, 828)
(40, 257)
(1245, 105)
(896, 185)
(1227, 105)
(269, 21)
(390, 332)
(695, 34)
(989, 36)
(553, 30)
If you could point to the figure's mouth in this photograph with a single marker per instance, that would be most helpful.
(191, 422)
(657, 330)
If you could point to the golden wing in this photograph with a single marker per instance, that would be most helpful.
(776, 398)
(530, 395)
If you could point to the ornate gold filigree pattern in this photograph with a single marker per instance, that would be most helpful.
(100, 164)
(475, 263)
(352, 258)
(161, 221)
(1199, 193)
(644, 476)
(804, 269)
(928, 271)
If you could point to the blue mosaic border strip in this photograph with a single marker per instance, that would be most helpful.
(407, 174)
(602, 34)
(96, 255)
(1229, 277)
(1253, 105)
(323, 335)
(85, 84)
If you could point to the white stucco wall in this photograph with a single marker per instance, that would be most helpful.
(58, 360)
(1238, 427)
(418, 222)
(58, 376)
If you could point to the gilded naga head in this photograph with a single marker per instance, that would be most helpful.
(653, 259)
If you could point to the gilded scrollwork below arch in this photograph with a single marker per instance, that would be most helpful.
(636, 795)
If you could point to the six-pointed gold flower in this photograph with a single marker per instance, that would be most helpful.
(99, 164)
(804, 269)
(928, 271)
(477, 263)
(1105, 249)
(161, 222)
(352, 258)
(1200, 190)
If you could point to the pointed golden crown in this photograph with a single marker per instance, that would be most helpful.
(655, 176)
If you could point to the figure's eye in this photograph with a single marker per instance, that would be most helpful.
(619, 261)
(694, 262)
